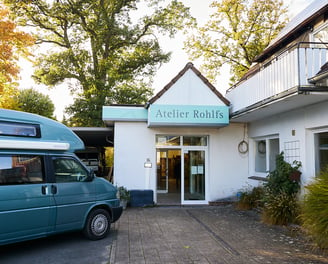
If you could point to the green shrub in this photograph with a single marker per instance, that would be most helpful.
(280, 209)
(315, 210)
(250, 199)
(280, 179)
(280, 202)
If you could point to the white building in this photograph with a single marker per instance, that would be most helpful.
(191, 142)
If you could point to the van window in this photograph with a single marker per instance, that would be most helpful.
(21, 169)
(69, 170)
(19, 129)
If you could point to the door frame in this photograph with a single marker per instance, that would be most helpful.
(183, 150)
(166, 171)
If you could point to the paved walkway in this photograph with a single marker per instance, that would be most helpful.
(209, 234)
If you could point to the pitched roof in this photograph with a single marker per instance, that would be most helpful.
(295, 27)
(189, 66)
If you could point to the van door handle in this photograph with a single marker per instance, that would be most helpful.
(53, 189)
(44, 189)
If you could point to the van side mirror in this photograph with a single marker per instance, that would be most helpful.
(91, 175)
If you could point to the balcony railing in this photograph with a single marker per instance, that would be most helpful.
(286, 72)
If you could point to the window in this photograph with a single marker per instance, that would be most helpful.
(266, 151)
(321, 34)
(321, 144)
(69, 170)
(168, 140)
(163, 140)
(21, 169)
(195, 141)
(19, 129)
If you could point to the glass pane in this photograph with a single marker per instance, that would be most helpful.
(322, 35)
(195, 141)
(194, 175)
(323, 151)
(167, 140)
(260, 156)
(274, 151)
(69, 170)
(162, 169)
(21, 169)
(19, 129)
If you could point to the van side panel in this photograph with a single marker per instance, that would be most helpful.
(25, 212)
(73, 200)
(74, 195)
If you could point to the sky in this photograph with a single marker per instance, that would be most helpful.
(199, 9)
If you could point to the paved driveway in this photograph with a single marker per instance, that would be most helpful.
(206, 234)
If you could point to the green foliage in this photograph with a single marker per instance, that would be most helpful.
(236, 33)
(32, 101)
(87, 109)
(104, 46)
(314, 214)
(14, 44)
(109, 156)
(280, 202)
(280, 209)
(250, 199)
(279, 180)
(123, 193)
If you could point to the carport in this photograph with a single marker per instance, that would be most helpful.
(95, 139)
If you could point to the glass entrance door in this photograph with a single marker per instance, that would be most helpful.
(162, 171)
(194, 175)
(168, 170)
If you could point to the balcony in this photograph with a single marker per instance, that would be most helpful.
(278, 85)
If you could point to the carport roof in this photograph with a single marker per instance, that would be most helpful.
(95, 136)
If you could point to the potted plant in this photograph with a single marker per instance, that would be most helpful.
(124, 196)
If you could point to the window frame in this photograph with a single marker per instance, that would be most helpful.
(317, 30)
(203, 140)
(317, 157)
(20, 125)
(268, 155)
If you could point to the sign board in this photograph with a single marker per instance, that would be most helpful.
(188, 115)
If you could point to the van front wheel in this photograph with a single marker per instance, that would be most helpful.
(97, 225)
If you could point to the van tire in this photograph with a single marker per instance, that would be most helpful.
(97, 225)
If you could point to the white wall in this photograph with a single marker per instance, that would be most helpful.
(228, 167)
(189, 90)
(304, 121)
(135, 142)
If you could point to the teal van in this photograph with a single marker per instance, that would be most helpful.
(44, 188)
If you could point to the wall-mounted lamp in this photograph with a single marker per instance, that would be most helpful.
(148, 163)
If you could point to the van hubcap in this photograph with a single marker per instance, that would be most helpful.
(99, 224)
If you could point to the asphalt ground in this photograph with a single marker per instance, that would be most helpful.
(205, 234)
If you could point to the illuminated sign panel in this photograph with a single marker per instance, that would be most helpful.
(188, 115)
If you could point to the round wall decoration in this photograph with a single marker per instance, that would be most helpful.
(243, 147)
(261, 147)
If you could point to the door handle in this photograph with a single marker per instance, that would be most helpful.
(53, 189)
(44, 189)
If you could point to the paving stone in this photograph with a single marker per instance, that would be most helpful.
(209, 234)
